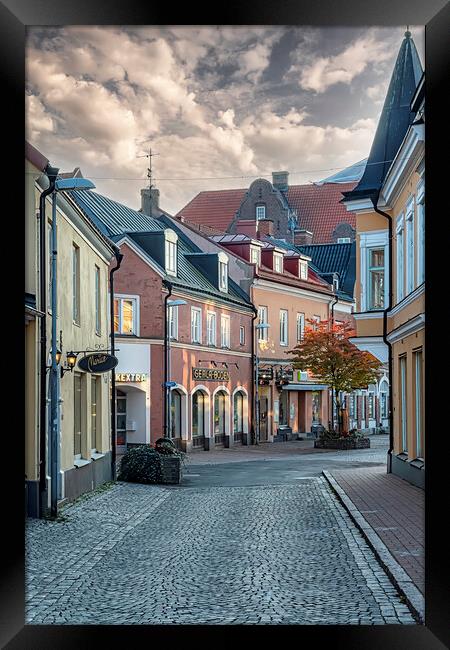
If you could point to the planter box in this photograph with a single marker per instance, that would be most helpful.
(170, 470)
(346, 443)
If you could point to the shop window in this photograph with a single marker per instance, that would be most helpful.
(96, 433)
(175, 414)
(403, 405)
(198, 416)
(238, 412)
(316, 397)
(418, 397)
(121, 419)
(77, 432)
(220, 413)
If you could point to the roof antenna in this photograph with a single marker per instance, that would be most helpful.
(149, 155)
(407, 33)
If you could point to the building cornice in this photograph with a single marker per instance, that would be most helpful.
(407, 159)
(290, 290)
(407, 300)
(410, 327)
(368, 315)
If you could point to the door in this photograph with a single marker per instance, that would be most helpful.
(263, 411)
(121, 422)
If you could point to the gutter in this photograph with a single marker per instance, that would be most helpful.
(374, 199)
(52, 173)
(119, 258)
(166, 393)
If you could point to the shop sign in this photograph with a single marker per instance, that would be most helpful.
(210, 374)
(265, 373)
(98, 362)
(131, 376)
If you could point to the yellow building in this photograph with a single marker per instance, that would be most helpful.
(389, 203)
(84, 253)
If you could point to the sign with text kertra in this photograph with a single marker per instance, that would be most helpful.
(131, 376)
(98, 362)
(210, 374)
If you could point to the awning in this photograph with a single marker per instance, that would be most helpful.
(305, 387)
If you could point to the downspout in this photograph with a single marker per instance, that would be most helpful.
(332, 388)
(169, 285)
(255, 378)
(51, 173)
(119, 258)
(374, 200)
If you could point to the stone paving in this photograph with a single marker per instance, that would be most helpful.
(273, 554)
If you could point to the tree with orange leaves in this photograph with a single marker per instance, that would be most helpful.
(333, 359)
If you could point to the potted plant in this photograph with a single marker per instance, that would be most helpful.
(332, 439)
(160, 464)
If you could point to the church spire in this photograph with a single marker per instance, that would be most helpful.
(394, 121)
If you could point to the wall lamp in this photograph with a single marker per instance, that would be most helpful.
(71, 360)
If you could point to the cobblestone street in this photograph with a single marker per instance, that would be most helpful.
(192, 554)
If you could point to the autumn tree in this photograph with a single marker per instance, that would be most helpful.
(328, 354)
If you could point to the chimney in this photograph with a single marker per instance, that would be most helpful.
(280, 180)
(149, 201)
(265, 227)
(302, 237)
(246, 227)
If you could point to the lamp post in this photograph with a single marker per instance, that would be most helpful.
(258, 328)
(169, 383)
(61, 184)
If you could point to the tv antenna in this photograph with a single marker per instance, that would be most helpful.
(149, 155)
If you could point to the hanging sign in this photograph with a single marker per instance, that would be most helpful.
(98, 362)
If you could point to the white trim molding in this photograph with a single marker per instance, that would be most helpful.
(288, 289)
(407, 300)
(373, 344)
(407, 159)
(368, 315)
(367, 240)
(410, 327)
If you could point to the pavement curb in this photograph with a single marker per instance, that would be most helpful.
(396, 573)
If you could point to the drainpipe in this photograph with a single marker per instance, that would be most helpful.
(332, 388)
(255, 379)
(51, 173)
(119, 258)
(166, 390)
(374, 200)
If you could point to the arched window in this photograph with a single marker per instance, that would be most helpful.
(175, 414)
(198, 418)
(238, 413)
(220, 417)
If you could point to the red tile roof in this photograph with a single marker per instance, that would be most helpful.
(318, 208)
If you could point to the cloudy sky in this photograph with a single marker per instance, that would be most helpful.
(220, 106)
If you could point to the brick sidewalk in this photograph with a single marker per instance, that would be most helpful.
(395, 510)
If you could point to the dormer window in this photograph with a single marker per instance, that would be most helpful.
(278, 262)
(303, 269)
(255, 255)
(171, 251)
(260, 212)
(223, 272)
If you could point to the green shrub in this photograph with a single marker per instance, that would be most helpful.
(140, 465)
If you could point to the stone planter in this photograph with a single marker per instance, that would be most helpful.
(170, 470)
(343, 443)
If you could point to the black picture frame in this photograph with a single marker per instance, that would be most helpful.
(15, 16)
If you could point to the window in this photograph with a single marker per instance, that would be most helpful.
(399, 253)
(173, 322)
(76, 284)
(95, 412)
(316, 320)
(175, 414)
(316, 397)
(260, 212)
(49, 274)
(171, 251)
(255, 255)
(196, 325)
(300, 327)
(125, 315)
(77, 415)
(384, 404)
(303, 271)
(241, 335)
(351, 406)
(225, 331)
(363, 407)
(97, 300)
(376, 278)
(121, 419)
(420, 234)
(410, 248)
(343, 240)
(418, 396)
(198, 415)
(262, 319)
(283, 327)
(211, 328)
(403, 422)
(223, 276)
(238, 413)
(278, 262)
(371, 405)
(219, 413)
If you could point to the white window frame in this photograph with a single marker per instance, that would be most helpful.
(223, 272)
(373, 239)
(135, 299)
(173, 323)
(255, 250)
(171, 246)
(418, 388)
(303, 269)
(196, 325)
(420, 258)
(224, 331)
(260, 212)
(343, 240)
(97, 289)
(211, 329)
(403, 404)
(241, 335)
(409, 219)
(262, 320)
(76, 302)
(278, 262)
(300, 326)
(400, 247)
(284, 327)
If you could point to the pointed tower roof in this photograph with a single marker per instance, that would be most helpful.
(394, 121)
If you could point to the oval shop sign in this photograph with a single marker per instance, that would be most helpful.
(98, 362)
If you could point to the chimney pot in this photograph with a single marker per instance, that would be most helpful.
(265, 227)
(149, 200)
(302, 237)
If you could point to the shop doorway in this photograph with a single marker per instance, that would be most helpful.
(198, 419)
(220, 417)
(121, 422)
(175, 417)
(263, 418)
